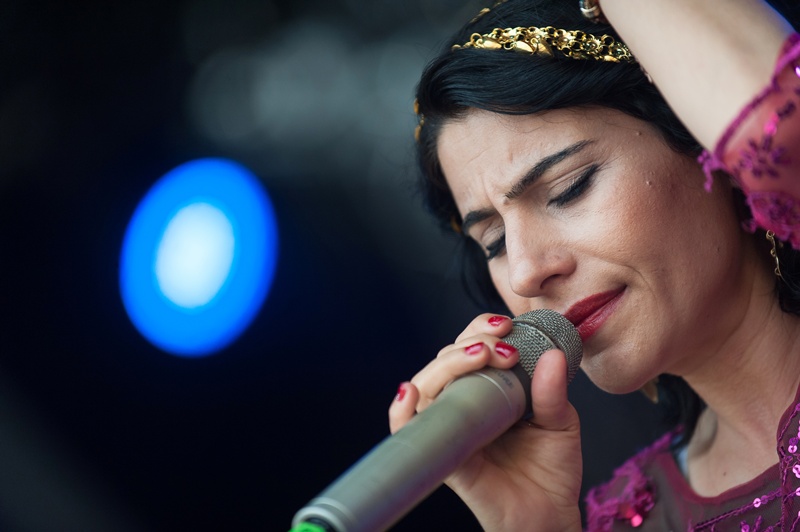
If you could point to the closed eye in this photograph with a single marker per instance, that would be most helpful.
(496, 248)
(576, 188)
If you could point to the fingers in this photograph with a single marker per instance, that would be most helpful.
(478, 346)
(494, 324)
(471, 354)
(403, 407)
(551, 407)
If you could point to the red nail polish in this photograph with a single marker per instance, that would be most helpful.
(474, 349)
(505, 350)
(401, 392)
(494, 321)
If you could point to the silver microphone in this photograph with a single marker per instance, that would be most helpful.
(468, 414)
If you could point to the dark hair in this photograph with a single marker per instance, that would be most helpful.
(518, 84)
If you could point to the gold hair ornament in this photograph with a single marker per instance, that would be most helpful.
(420, 123)
(485, 10)
(591, 10)
(574, 44)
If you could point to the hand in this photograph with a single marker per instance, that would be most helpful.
(530, 477)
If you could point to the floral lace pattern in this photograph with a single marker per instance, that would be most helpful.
(757, 150)
(637, 497)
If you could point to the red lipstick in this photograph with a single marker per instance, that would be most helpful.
(587, 315)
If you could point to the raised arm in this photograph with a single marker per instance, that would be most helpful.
(730, 69)
(709, 58)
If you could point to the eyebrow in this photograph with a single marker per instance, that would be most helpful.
(530, 177)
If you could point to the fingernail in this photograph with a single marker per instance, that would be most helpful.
(401, 392)
(494, 321)
(504, 350)
(474, 349)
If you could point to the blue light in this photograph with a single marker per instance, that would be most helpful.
(199, 256)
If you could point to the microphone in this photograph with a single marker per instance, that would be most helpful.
(468, 414)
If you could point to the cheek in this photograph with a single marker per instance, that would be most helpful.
(618, 221)
(657, 216)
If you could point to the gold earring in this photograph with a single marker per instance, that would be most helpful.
(774, 253)
(650, 390)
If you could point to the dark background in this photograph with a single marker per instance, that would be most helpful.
(101, 431)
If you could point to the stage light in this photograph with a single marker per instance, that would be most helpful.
(198, 257)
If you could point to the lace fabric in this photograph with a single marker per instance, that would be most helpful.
(759, 149)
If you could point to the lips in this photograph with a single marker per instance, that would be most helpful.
(587, 315)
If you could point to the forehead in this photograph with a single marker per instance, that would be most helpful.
(484, 153)
(485, 149)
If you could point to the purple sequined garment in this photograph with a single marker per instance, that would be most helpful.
(649, 492)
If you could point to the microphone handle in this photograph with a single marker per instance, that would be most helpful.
(406, 467)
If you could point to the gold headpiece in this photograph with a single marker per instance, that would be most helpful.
(485, 10)
(574, 44)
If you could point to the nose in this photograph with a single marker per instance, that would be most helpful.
(538, 261)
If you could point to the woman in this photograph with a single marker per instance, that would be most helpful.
(580, 190)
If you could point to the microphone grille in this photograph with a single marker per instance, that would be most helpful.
(540, 330)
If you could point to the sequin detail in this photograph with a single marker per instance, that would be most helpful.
(636, 500)
(630, 499)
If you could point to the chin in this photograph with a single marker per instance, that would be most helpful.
(616, 386)
(614, 380)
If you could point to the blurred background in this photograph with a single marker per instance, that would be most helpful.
(99, 429)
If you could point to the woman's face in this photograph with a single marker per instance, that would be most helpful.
(588, 212)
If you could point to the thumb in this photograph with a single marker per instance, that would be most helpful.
(551, 407)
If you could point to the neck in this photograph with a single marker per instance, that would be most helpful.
(735, 436)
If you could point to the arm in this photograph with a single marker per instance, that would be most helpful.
(730, 69)
(709, 58)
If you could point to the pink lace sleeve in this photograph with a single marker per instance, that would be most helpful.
(761, 150)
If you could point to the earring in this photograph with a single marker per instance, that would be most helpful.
(774, 253)
(455, 225)
(650, 390)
